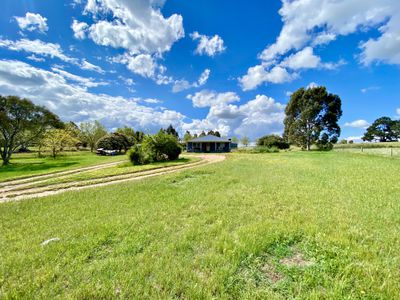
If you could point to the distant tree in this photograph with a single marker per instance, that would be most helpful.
(129, 133)
(195, 135)
(161, 146)
(216, 133)
(245, 141)
(187, 137)
(235, 139)
(343, 142)
(74, 132)
(171, 131)
(351, 142)
(312, 117)
(114, 141)
(22, 122)
(273, 140)
(57, 139)
(139, 136)
(202, 134)
(91, 133)
(383, 129)
(211, 132)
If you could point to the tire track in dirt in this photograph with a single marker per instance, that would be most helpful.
(29, 193)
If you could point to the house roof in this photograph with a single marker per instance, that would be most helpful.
(209, 138)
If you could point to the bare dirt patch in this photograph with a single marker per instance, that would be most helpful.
(270, 273)
(296, 260)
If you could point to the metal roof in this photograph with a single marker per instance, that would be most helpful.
(209, 138)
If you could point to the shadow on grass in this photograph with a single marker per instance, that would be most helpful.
(39, 166)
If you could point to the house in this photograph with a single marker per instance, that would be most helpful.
(209, 143)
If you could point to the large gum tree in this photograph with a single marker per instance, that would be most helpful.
(312, 117)
(21, 122)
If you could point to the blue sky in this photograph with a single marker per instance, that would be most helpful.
(201, 65)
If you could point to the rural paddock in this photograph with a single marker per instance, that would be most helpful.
(279, 225)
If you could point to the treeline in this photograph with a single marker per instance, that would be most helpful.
(24, 124)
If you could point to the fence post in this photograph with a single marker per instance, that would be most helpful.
(362, 150)
(391, 152)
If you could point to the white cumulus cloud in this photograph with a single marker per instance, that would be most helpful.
(207, 45)
(357, 124)
(79, 29)
(32, 22)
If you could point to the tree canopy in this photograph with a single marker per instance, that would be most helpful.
(21, 122)
(114, 141)
(273, 140)
(91, 133)
(312, 117)
(383, 129)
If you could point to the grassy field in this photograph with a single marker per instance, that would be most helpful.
(27, 164)
(256, 226)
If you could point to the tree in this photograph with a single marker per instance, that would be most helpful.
(187, 137)
(202, 134)
(114, 141)
(235, 139)
(312, 116)
(273, 140)
(21, 122)
(383, 129)
(129, 133)
(211, 132)
(216, 133)
(91, 132)
(74, 132)
(57, 139)
(245, 141)
(171, 131)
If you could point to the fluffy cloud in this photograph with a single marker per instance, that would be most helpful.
(305, 27)
(37, 47)
(181, 85)
(357, 124)
(32, 22)
(304, 59)
(206, 98)
(142, 64)
(259, 116)
(259, 74)
(207, 45)
(398, 112)
(74, 102)
(137, 26)
(303, 23)
(79, 29)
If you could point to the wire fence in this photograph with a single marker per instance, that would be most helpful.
(388, 152)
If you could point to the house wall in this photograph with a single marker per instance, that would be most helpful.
(208, 147)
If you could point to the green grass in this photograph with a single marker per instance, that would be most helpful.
(28, 164)
(218, 231)
(107, 174)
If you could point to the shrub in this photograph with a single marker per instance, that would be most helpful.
(158, 147)
(136, 155)
(263, 149)
(273, 140)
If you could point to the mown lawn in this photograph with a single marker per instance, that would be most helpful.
(256, 226)
(27, 164)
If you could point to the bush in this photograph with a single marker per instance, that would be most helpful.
(158, 147)
(273, 140)
(136, 155)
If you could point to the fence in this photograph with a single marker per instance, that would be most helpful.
(389, 152)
